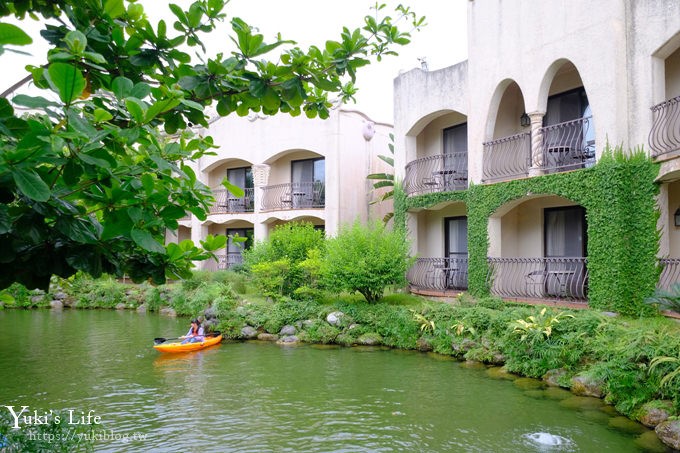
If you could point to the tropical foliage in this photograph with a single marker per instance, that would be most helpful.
(100, 167)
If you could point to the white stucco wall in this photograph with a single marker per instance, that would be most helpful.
(276, 141)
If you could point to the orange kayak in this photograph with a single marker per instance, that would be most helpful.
(177, 346)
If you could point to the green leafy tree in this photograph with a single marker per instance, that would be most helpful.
(366, 259)
(92, 181)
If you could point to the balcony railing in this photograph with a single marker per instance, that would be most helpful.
(566, 146)
(441, 173)
(439, 273)
(224, 261)
(670, 273)
(296, 195)
(665, 134)
(507, 157)
(226, 203)
(539, 278)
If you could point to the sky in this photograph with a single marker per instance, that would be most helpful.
(442, 42)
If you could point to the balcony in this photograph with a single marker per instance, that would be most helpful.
(296, 195)
(670, 273)
(441, 173)
(439, 274)
(554, 279)
(224, 261)
(507, 158)
(664, 137)
(226, 203)
(566, 146)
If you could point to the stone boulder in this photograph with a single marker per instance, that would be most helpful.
(369, 339)
(669, 433)
(307, 323)
(288, 339)
(464, 346)
(553, 377)
(167, 311)
(335, 318)
(209, 313)
(583, 385)
(267, 337)
(120, 306)
(654, 412)
(288, 330)
(56, 305)
(37, 299)
(249, 333)
(423, 345)
(141, 309)
(60, 295)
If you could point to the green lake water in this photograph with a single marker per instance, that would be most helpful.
(257, 397)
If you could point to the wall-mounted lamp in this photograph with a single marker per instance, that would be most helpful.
(524, 120)
(676, 218)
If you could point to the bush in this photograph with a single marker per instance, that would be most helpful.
(290, 243)
(366, 259)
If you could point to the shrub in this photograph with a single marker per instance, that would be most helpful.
(290, 242)
(366, 259)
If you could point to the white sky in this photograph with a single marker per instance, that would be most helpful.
(442, 42)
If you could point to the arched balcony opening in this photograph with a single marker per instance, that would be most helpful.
(538, 250)
(507, 153)
(297, 180)
(442, 248)
(566, 140)
(240, 174)
(441, 163)
(240, 237)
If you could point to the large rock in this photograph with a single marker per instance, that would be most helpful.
(141, 309)
(654, 412)
(369, 339)
(120, 306)
(37, 299)
(289, 339)
(553, 377)
(56, 305)
(249, 332)
(167, 311)
(288, 330)
(60, 295)
(583, 385)
(669, 433)
(209, 313)
(267, 337)
(464, 346)
(423, 345)
(335, 318)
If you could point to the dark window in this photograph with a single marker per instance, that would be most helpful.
(235, 248)
(565, 232)
(241, 177)
(308, 170)
(308, 177)
(567, 106)
(455, 139)
(456, 252)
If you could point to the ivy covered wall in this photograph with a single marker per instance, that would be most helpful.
(619, 195)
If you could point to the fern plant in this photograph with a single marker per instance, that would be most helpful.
(671, 375)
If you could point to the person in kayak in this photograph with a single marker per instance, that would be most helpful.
(195, 334)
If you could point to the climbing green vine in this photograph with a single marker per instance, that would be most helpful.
(619, 195)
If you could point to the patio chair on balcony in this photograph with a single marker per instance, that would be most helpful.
(535, 282)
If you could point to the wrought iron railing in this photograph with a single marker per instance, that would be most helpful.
(441, 173)
(226, 203)
(224, 261)
(539, 278)
(507, 157)
(566, 146)
(670, 273)
(439, 273)
(665, 134)
(296, 195)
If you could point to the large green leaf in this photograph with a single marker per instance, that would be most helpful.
(31, 185)
(114, 8)
(67, 80)
(13, 35)
(235, 190)
(145, 240)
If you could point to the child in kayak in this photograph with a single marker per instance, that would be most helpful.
(195, 334)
